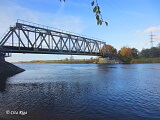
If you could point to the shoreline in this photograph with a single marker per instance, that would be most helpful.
(76, 61)
(94, 61)
(84, 63)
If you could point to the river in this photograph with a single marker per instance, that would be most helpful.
(82, 92)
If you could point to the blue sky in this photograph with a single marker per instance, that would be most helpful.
(130, 21)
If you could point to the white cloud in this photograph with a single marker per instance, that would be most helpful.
(146, 42)
(152, 29)
(10, 12)
(148, 30)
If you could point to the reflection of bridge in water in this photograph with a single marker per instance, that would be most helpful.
(26, 37)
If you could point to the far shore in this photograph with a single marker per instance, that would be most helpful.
(65, 61)
(146, 60)
(90, 61)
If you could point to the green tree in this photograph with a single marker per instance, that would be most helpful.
(134, 53)
(154, 52)
(91, 58)
(145, 53)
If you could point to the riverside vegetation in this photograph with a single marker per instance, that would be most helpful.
(67, 61)
(124, 55)
(132, 55)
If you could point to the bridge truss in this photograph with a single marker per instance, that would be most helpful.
(26, 38)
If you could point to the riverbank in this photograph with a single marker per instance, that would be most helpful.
(146, 60)
(65, 61)
(95, 61)
(77, 61)
(8, 69)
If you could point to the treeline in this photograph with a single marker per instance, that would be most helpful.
(132, 55)
(154, 52)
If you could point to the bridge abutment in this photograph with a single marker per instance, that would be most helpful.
(8, 69)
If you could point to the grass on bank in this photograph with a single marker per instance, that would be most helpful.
(75, 61)
(146, 60)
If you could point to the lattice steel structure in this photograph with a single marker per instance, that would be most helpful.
(26, 38)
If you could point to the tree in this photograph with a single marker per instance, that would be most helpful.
(145, 53)
(91, 58)
(126, 54)
(97, 11)
(134, 53)
(109, 49)
(154, 52)
(150, 53)
(66, 59)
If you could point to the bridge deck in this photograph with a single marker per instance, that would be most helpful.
(10, 49)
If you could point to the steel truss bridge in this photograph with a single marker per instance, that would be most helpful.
(39, 39)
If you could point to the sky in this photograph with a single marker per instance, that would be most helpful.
(130, 21)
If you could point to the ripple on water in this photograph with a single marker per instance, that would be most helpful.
(83, 92)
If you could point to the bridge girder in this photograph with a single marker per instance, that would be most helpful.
(24, 38)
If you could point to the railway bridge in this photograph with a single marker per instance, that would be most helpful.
(27, 37)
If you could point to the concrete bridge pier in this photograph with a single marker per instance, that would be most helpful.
(8, 69)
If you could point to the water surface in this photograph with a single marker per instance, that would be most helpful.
(82, 92)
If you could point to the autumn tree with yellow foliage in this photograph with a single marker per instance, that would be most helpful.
(127, 54)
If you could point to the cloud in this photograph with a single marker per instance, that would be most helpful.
(152, 29)
(148, 30)
(10, 12)
(146, 42)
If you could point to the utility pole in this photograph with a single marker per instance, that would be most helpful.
(151, 38)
